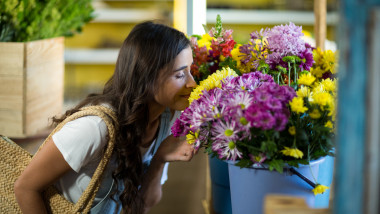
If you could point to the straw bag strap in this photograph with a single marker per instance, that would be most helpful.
(85, 201)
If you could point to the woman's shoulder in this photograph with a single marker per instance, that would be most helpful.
(82, 139)
(87, 124)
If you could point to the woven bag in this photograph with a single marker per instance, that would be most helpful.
(14, 159)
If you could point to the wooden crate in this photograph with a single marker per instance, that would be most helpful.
(286, 204)
(31, 85)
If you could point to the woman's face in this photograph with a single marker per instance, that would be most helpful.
(175, 90)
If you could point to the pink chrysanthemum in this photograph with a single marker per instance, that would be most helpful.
(227, 150)
(224, 131)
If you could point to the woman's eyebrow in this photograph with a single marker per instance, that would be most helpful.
(180, 68)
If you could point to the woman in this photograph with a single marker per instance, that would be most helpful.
(150, 85)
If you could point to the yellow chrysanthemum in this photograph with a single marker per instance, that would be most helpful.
(303, 91)
(329, 124)
(317, 71)
(332, 111)
(205, 41)
(315, 114)
(329, 85)
(306, 79)
(328, 60)
(196, 93)
(292, 130)
(318, 88)
(237, 55)
(219, 75)
(296, 153)
(296, 105)
(319, 189)
(192, 137)
(323, 99)
(306, 33)
(222, 58)
(215, 80)
(212, 81)
(317, 56)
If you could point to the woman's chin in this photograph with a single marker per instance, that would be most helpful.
(181, 106)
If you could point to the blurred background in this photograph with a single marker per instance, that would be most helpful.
(90, 56)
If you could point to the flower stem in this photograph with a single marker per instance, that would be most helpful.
(289, 74)
(295, 73)
(308, 158)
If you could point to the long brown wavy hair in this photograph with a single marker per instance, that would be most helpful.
(148, 49)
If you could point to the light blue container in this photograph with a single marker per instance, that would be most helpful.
(325, 177)
(250, 186)
(220, 186)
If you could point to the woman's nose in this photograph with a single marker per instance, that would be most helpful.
(191, 82)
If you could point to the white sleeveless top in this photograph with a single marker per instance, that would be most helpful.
(81, 143)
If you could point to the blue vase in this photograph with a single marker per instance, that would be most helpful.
(325, 177)
(220, 186)
(249, 186)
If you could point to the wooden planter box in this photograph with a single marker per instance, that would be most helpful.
(31, 85)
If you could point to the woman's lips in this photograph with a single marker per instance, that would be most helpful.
(185, 96)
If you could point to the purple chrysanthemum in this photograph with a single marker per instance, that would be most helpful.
(178, 128)
(286, 39)
(248, 82)
(224, 131)
(281, 119)
(307, 59)
(226, 115)
(226, 150)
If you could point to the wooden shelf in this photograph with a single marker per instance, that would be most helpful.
(91, 56)
(126, 15)
(229, 16)
(265, 17)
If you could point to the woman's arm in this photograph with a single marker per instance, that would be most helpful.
(46, 167)
(171, 149)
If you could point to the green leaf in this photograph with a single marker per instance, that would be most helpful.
(229, 62)
(296, 163)
(268, 147)
(33, 20)
(244, 163)
(251, 149)
(197, 36)
(209, 150)
(278, 165)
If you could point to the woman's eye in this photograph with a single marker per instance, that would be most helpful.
(179, 76)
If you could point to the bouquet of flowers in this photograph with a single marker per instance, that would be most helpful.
(281, 113)
(213, 51)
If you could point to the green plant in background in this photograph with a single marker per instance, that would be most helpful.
(28, 20)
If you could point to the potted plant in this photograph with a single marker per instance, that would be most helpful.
(271, 119)
(31, 60)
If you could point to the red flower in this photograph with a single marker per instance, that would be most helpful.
(200, 57)
(225, 48)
